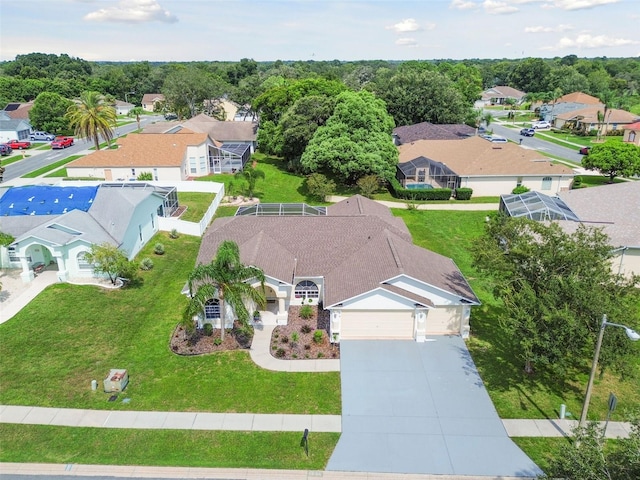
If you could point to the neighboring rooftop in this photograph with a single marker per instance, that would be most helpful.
(431, 131)
(224, 132)
(579, 97)
(590, 115)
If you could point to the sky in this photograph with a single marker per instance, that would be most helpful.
(264, 30)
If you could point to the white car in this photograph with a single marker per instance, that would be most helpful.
(541, 125)
(497, 139)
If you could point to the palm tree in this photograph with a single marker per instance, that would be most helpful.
(251, 175)
(92, 117)
(225, 278)
(136, 112)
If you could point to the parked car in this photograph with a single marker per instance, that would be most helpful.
(585, 150)
(497, 139)
(18, 144)
(170, 116)
(41, 136)
(5, 149)
(62, 142)
(541, 124)
(527, 132)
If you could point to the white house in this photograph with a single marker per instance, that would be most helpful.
(354, 257)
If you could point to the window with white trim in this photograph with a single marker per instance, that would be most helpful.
(193, 167)
(13, 255)
(546, 183)
(212, 309)
(83, 263)
(306, 289)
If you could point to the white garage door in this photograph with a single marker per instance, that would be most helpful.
(444, 320)
(363, 324)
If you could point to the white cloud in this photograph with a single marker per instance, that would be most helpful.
(541, 29)
(493, 7)
(406, 42)
(407, 25)
(580, 4)
(587, 41)
(463, 5)
(133, 11)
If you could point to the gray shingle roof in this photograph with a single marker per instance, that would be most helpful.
(431, 131)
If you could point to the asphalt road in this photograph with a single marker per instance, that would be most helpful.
(39, 159)
(537, 143)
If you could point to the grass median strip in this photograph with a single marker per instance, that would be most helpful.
(53, 166)
(176, 448)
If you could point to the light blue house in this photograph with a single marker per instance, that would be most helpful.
(55, 226)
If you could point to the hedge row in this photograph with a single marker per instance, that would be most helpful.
(398, 191)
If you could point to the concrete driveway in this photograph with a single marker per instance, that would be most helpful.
(420, 408)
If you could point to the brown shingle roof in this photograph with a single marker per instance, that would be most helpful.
(219, 130)
(355, 253)
(148, 150)
(502, 91)
(430, 131)
(476, 156)
(20, 112)
(151, 98)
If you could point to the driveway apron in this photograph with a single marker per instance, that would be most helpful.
(420, 408)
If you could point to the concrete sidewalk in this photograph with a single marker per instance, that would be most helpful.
(248, 422)
(428, 206)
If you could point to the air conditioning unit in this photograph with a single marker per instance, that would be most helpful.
(116, 381)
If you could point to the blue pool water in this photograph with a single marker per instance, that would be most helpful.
(419, 186)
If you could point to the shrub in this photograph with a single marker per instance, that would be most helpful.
(307, 346)
(280, 353)
(295, 337)
(317, 336)
(306, 312)
(305, 328)
(158, 249)
(368, 185)
(520, 190)
(145, 176)
(174, 234)
(463, 193)
(320, 186)
(217, 341)
(146, 264)
(320, 354)
(577, 181)
(284, 339)
(208, 329)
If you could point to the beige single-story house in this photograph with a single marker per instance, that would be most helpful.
(150, 101)
(123, 108)
(166, 156)
(632, 133)
(499, 95)
(586, 119)
(353, 257)
(568, 103)
(489, 168)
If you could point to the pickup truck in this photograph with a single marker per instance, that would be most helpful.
(47, 137)
(62, 142)
(18, 144)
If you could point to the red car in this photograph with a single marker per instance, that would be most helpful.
(18, 144)
(62, 142)
(585, 150)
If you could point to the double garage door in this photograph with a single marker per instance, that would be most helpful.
(366, 324)
(396, 324)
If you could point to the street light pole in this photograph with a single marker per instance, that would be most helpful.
(632, 334)
(125, 96)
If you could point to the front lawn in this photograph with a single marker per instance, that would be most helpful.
(70, 335)
(166, 448)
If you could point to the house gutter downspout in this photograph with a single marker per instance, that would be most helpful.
(623, 250)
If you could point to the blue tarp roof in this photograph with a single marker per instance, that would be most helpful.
(46, 200)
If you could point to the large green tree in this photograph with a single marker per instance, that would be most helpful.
(355, 141)
(92, 117)
(555, 288)
(614, 159)
(186, 89)
(420, 95)
(48, 113)
(225, 278)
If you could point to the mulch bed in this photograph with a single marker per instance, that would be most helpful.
(284, 344)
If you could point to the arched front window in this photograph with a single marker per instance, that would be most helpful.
(83, 264)
(212, 309)
(306, 289)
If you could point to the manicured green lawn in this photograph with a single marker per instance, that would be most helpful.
(53, 166)
(541, 450)
(176, 448)
(197, 205)
(70, 335)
